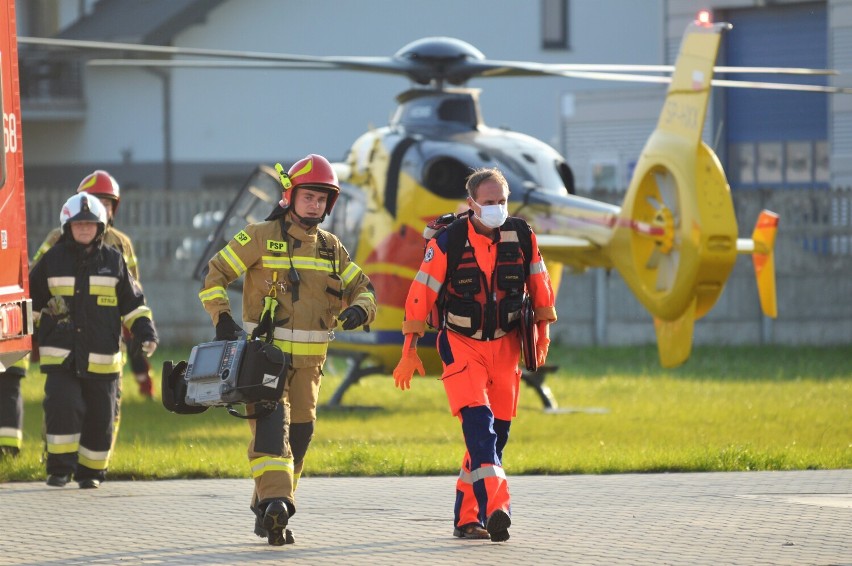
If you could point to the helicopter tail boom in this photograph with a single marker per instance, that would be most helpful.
(678, 267)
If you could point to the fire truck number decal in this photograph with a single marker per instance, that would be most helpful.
(10, 133)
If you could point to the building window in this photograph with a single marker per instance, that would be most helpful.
(779, 164)
(554, 24)
(603, 174)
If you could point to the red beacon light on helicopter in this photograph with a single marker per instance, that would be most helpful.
(704, 17)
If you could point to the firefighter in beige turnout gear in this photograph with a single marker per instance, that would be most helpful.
(305, 278)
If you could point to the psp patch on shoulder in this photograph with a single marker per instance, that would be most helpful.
(242, 238)
(430, 253)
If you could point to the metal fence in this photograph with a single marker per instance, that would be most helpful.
(813, 262)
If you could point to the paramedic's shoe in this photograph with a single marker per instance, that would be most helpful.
(274, 521)
(90, 483)
(471, 530)
(498, 526)
(57, 480)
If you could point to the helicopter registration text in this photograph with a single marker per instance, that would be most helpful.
(683, 115)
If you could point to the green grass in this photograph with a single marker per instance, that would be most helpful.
(773, 408)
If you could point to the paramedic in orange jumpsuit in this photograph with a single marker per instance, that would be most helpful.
(480, 344)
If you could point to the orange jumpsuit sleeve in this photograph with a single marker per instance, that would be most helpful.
(541, 290)
(424, 289)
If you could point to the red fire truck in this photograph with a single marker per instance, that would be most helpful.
(16, 314)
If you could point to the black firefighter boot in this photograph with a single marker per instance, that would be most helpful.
(271, 523)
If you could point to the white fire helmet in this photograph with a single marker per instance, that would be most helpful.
(83, 207)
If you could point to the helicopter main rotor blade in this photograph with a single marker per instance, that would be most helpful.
(423, 61)
(492, 68)
(670, 69)
(781, 86)
(162, 49)
(715, 82)
(208, 64)
(254, 65)
(373, 64)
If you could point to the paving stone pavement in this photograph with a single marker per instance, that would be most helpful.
(709, 518)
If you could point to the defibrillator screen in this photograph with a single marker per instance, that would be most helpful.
(207, 359)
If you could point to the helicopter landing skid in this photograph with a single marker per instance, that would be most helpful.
(535, 380)
(357, 371)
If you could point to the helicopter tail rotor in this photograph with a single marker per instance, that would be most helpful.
(762, 248)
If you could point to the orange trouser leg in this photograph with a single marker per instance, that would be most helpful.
(485, 478)
(481, 380)
(467, 507)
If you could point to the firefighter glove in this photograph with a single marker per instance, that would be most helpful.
(146, 386)
(352, 317)
(149, 348)
(543, 342)
(409, 362)
(227, 329)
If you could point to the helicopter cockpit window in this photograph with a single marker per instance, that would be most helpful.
(567, 177)
(539, 171)
(446, 178)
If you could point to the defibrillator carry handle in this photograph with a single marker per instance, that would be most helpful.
(262, 409)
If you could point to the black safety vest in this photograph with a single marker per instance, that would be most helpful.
(470, 304)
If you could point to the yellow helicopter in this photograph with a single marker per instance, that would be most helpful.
(673, 239)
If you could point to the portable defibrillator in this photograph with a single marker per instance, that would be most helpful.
(224, 373)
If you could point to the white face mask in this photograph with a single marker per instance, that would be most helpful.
(493, 215)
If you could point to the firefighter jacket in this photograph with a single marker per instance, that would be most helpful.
(112, 237)
(83, 299)
(481, 297)
(310, 274)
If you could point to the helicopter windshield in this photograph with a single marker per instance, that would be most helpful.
(545, 172)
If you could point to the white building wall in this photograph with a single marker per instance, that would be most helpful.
(290, 113)
(262, 116)
(119, 125)
(608, 130)
(237, 117)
